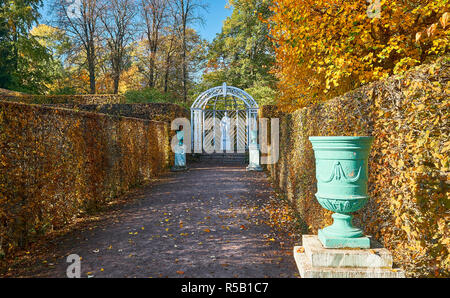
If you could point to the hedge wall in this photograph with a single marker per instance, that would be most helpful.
(62, 99)
(57, 163)
(409, 166)
(150, 111)
(6, 92)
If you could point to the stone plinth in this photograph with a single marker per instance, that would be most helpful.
(254, 156)
(315, 261)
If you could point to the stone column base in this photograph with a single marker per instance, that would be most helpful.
(179, 169)
(256, 168)
(315, 261)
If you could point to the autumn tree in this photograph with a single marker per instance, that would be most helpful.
(241, 54)
(168, 61)
(327, 47)
(80, 20)
(187, 12)
(170, 50)
(117, 19)
(57, 43)
(24, 63)
(154, 14)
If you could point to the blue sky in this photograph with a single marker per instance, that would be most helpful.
(214, 17)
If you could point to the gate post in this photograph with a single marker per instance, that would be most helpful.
(254, 154)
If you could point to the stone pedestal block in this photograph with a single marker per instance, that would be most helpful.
(315, 261)
(254, 156)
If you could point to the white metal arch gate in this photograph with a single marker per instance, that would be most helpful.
(223, 117)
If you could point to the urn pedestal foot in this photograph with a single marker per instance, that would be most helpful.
(342, 234)
(336, 242)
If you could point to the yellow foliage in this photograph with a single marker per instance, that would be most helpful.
(56, 164)
(325, 48)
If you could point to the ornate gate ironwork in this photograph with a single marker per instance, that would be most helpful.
(222, 117)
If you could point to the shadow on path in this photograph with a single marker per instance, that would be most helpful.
(202, 223)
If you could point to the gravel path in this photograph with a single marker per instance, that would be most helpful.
(202, 223)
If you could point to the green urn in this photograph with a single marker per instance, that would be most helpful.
(342, 174)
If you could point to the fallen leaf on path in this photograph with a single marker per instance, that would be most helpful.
(300, 250)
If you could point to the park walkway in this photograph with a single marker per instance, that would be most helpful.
(202, 223)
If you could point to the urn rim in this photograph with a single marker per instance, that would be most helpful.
(340, 138)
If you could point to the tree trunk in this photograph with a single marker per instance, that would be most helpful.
(116, 83)
(166, 75)
(151, 82)
(91, 70)
(183, 57)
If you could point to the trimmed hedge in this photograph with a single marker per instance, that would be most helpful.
(6, 92)
(63, 99)
(150, 111)
(409, 166)
(57, 163)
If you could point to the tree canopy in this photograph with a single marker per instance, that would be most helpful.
(324, 48)
(290, 52)
(242, 55)
(24, 62)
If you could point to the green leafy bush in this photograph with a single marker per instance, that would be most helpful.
(263, 94)
(147, 95)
